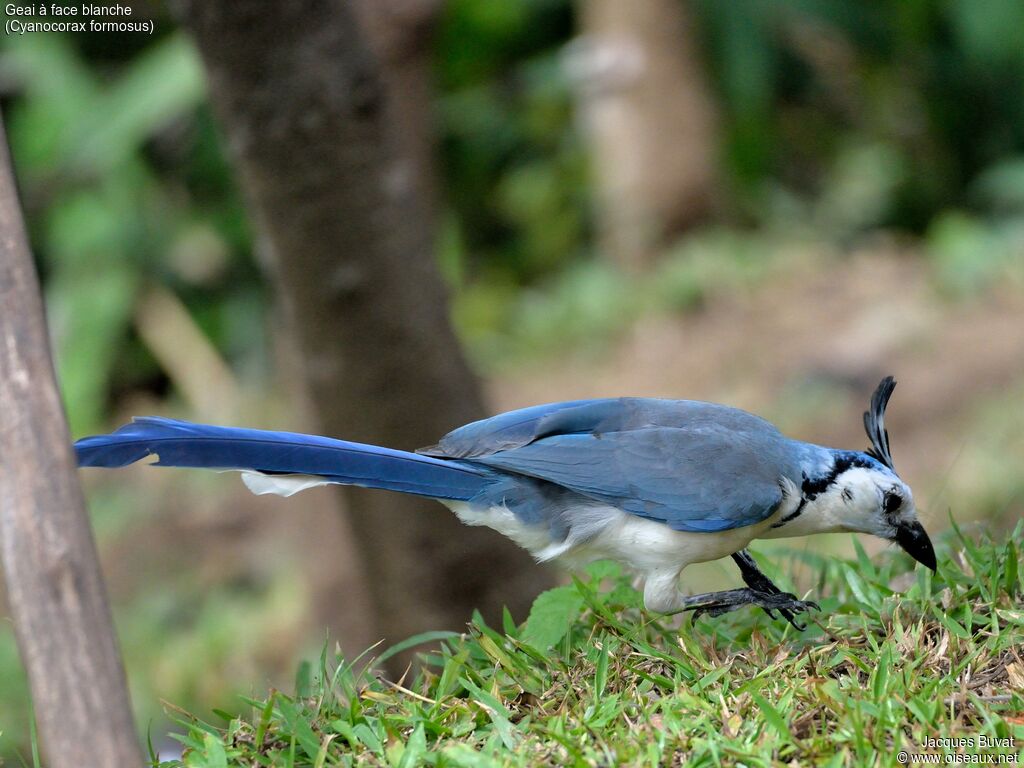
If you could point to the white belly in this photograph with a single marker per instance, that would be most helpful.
(605, 532)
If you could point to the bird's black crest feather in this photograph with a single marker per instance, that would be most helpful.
(874, 422)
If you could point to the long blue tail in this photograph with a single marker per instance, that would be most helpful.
(183, 444)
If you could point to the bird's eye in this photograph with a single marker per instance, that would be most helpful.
(891, 502)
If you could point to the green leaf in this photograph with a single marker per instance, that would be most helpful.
(552, 614)
(161, 84)
(880, 677)
(297, 721)
(604, 569)
(420, 639)
(772, 716)
(216, 757)
(601, 671)
(866, 566)
(303, 680)
(495, 710)
(265, 714)
(464, 756)
(415, 749)
(508, 624)
(321, 756)
(367, 736)
(89, 313)
(1011, 571)
(859, 588)
(1013, 617)
(955, 627)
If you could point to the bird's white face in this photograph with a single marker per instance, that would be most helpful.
(871, 501)
(875, 501)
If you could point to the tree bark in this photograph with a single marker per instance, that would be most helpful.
(399, 34)
(650, 119)
(52, 572)
(309, 121)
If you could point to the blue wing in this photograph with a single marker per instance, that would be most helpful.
(690, 479)
(694, 466)
(501, 432)
(518, 428)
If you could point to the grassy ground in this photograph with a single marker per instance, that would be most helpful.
(894, 658)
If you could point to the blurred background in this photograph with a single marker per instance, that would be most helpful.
(769, 205)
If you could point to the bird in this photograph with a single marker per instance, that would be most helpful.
(656, 484)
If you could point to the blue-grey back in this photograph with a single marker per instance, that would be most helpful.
(695, 466)
(521, 427)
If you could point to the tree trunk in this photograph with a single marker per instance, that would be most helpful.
(650, 120)
(399, 34)
(305, 107)
(54, 584)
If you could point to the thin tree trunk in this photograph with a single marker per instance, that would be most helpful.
(650, 119)
(54, 584)
(306, 111)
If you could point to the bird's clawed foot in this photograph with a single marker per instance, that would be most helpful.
(717, 603)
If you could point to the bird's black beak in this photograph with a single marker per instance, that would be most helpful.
(915, 542)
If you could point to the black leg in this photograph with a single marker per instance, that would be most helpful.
(760, 592)
(753, 577)
(717, 603)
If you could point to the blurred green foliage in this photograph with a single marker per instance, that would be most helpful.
(837, 119)
(124, 184)
(514, 168)
(926, 83)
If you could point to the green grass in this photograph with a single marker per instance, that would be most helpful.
(591, 679)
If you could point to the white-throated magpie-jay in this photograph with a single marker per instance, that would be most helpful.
(654, 484)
